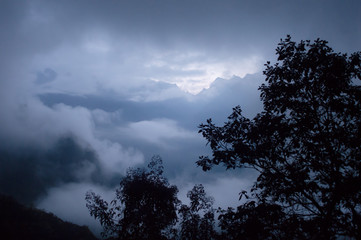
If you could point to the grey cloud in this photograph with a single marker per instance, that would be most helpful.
(149, 124)
(27, 173)
(48, 75)
(54, 34)
(226, 27)
(47, 147)
(220, 97)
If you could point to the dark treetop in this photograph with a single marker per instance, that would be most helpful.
(306, 144)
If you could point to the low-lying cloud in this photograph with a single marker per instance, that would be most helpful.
(156, 131)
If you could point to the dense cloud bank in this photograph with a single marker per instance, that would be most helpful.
(58, 146)
(80, 138)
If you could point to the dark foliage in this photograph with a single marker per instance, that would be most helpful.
(305, 144)
(18, 222)
(197, 219)
(263, 221)
(252, 222)
(145, 206)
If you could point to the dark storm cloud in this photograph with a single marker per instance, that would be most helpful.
(167, 22)
(122, 44)
(221, 26)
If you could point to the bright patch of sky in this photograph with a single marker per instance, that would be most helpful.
(194, 72)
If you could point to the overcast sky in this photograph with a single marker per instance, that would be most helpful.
(91, 88)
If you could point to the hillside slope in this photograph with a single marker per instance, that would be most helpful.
(20, 222)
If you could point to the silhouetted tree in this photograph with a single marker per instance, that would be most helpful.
(251, 221)
(263, 221)
(145, 206)
(197, 219)
(306, 144)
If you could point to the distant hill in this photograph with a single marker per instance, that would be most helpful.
(20, 222)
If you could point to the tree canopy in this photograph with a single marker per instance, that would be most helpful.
(305, 144)
(145, 206)
(197, 219)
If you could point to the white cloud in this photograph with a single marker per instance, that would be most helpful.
(194, 71)
(162, 132)
(116, 158)
(78, 121)
(31, 123)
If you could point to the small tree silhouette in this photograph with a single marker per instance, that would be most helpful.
(145, 206)
(197, 219)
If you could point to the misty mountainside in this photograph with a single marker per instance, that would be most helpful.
(20, 222)
(187, 108)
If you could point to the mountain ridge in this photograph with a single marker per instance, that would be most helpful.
(21, 222)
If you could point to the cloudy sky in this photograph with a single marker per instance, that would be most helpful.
(91, 88)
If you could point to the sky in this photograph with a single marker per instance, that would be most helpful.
(91, 88)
